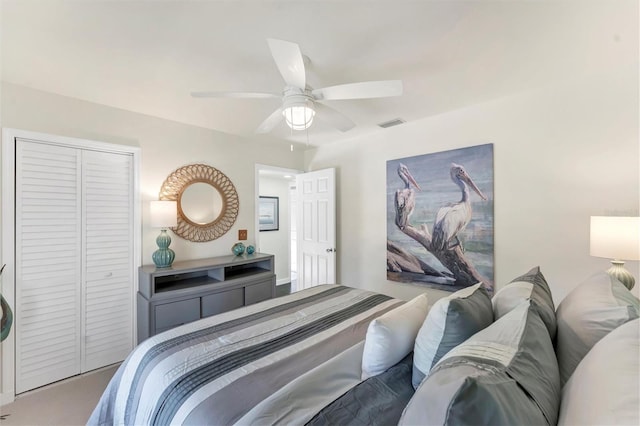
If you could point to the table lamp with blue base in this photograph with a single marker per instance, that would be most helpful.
(164, 215)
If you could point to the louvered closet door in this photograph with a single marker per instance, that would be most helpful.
(108, 291)
(48, 264)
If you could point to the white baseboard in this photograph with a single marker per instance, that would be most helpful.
(6, 398)
(283, 281)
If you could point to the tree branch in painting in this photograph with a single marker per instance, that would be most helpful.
(463, 271)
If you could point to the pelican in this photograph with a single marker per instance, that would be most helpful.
(453, 218)
(405, 199)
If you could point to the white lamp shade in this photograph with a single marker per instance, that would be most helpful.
(615, 237)
(164, 214)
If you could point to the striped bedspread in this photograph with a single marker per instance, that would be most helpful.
(279, 361)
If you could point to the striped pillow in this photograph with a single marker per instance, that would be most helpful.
(450, 321)
(589, 312)
(505, 374)
(530, 286)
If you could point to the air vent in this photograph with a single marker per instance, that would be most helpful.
(391, 123)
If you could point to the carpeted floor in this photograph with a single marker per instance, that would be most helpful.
(69, 402)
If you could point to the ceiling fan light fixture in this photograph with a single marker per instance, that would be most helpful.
(299, 114)
(299, 117)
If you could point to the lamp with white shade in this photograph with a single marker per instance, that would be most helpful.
(164, 214)
(616, 238)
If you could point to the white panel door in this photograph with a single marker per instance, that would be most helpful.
(107, 195)
(48, 264)
(316, 228)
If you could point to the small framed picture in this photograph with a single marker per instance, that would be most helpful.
(268, 214)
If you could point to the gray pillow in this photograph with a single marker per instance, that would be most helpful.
(603, 390)
(530, 286)
(589, 312)
(506, 374)
(450, 321)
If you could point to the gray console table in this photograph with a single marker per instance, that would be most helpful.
(195, 289)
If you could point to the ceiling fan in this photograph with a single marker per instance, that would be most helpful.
(300, 103)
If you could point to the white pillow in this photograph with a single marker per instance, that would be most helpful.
(603, 389)
(391, 336)
(589, 312)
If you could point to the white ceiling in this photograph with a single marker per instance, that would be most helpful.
(147, 56)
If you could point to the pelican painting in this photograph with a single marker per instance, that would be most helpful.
(453, 218)
(405, 198)
(433, 236)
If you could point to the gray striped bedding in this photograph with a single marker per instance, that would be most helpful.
(279, 361)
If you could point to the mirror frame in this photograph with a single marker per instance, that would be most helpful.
(175, 184)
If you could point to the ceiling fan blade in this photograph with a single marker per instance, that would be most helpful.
(247, 95)
(289, 61)
(267, 125)
(362, 90)
(333, 117)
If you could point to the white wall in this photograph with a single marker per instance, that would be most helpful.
(165, 146)
(278, 242)
(561, 154)
(1, 345)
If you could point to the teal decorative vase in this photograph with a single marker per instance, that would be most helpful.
(7, 315)
(163, 257)
(7, 319)
(251, 249)
(238, 249)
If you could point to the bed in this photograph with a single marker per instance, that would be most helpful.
(295, 360)
(334, 355)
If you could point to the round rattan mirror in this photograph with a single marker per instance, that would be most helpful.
(208, 203)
